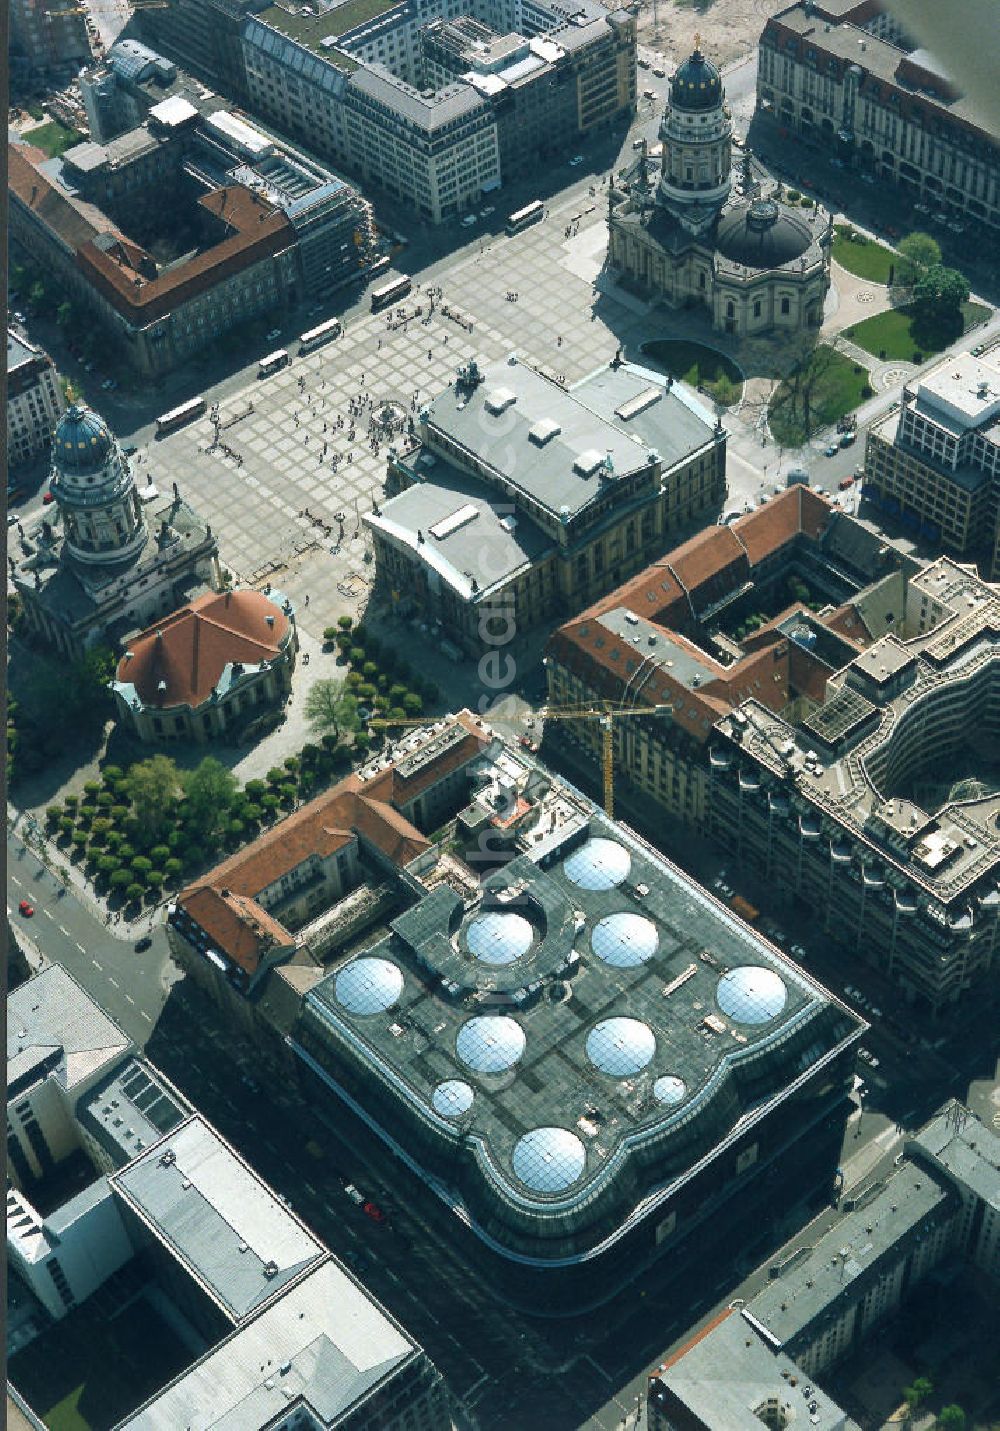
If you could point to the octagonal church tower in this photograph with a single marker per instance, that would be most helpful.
(108, 557)
(696, 133)
(94, 489)
(684, 238)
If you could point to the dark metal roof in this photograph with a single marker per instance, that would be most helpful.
(696, 84)
(82, 441)
(762, 235)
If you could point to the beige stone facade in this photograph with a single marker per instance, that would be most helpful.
(755, 264)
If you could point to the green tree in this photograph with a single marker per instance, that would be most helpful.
(141, 865)
(951, 1418)
(153, 786)
(939, 293)
(107, 864)
(917, 1393)
(412, 704)
(120, 878)
(134, 892)
(159, 854)
(66, 824)
(209, 791)
(329, 708)
(345, 622)
(919, 252)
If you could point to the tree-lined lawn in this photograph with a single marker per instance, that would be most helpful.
(822, 389)
(862, 256)
(902, 333)
(697, 365)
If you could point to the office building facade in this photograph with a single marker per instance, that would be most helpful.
(934, 462)
(35, 400)
(865, 805)
(410, 99)
(848, 80)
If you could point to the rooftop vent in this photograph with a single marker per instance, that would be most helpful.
(588, 462)
(167, 1158)
(544, 430)
(270, 1269)
(499, 400)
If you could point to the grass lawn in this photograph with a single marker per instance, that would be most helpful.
(695, 364)
(899, 334)
(866, 259)
(85, 1373)
(53, 138)
(825, 387)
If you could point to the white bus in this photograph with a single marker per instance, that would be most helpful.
(530, 214)
(315, 336)
(273, 363)
(178, 416)
(390, 292)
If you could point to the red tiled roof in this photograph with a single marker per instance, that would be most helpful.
(256, 229)
(323, 826)
(797, 509)
(189, 650)
(672, 591)
(71, 220)
(237, 926)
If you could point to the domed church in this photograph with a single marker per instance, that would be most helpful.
(756, 264)
(107, 557)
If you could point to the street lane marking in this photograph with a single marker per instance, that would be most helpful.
(146, 1016)
(64, 930)
(129, 999)
(79, 946)
(113, 982)
(17, 881)
(97, 966)
(47, 913)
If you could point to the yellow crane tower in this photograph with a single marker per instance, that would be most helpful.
(606, 713)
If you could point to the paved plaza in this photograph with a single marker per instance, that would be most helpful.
(286, 484)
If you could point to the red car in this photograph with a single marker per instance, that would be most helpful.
(372, 1210)
(26, 909)
(47, 499)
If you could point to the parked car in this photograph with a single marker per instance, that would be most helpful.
(489, 209)
(47, 498)
(468, 221)
(274, 333)
(355, 1194)
(372, 1210)
(26, 909)
(845, 483)
(141, 945)
(833, 449)
(576, 159)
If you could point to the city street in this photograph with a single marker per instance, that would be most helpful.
(131, 987)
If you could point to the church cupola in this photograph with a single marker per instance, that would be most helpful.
(696, 133)
(93, 486)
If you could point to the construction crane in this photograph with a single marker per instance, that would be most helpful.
(606, 713)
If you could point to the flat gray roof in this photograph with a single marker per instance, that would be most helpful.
(966, 1149)
(131, 1109)
(473, 541)
(430, 112)
(503, 421)
(325, 1341)
(846, 1259)
(221, 1222)
(723, 1378)
(54, 1027)
(18, 352)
